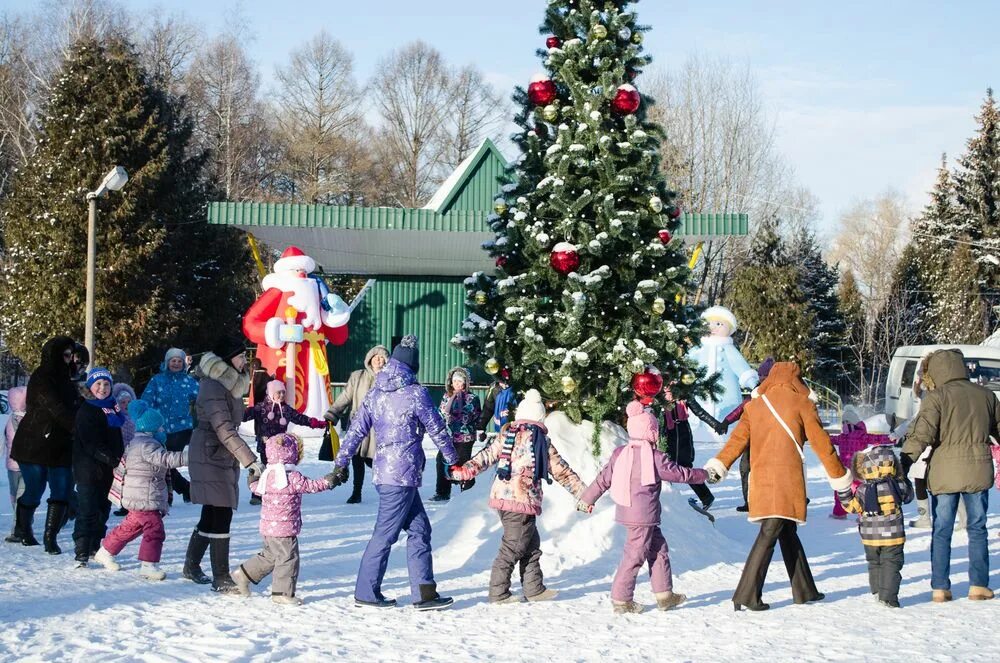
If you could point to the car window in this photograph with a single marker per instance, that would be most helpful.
(984, 371)
(909, 370)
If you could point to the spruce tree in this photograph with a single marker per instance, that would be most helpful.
(856, 352)
(959, 311)
(161, 272)
(590, 281)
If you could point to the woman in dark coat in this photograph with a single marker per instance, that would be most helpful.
(216, 454)
(43, 444)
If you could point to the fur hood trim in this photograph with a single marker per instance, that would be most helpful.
(211, 366)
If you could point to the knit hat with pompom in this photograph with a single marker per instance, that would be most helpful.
(641, 424)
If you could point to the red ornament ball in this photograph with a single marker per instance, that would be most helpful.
(541, 91)
(564, 258)
(626, 100)
(674, 211)
(501, 261)
(647, 384)
(665, 236)
(553, 42)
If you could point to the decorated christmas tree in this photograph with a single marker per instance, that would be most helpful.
(590, 282)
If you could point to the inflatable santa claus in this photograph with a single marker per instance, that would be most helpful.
(291, 323)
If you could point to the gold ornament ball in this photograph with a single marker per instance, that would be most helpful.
(688, 378)
(656, 204)
(499, 206)
(550, 113)
(568, 384)
(599, 31)
(480, 297)
(492, 366)
(659, 306)
(637, 37)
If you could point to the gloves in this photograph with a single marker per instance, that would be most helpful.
(480, 436)
(583, 507)
(316, 423)
(337, 477)
(330, 416)
(720, 428)
(459, 473)
(254, 470)
(713, 475)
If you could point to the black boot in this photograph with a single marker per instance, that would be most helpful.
(82, 552)
(431, 600)
(16, 534)
(54, 518)
(25, 519)
(222, 581)
(192, 560)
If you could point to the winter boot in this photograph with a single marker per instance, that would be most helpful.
(431, 600)
(942, 595)
(980, 593)
(107, 560)
(668, 600)
(546, 595)
(960, 517)
(54, 518)
(923, 515)
(255, 499)
(82, 554)
(218, 553)
(25, 517)
(625, 607)
(192, 560)
(355, 497)
(242, 581)
(284, 599)
(511, 598)
(151, 571)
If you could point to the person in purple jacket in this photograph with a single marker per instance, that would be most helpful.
(634, 474)
(399, 409)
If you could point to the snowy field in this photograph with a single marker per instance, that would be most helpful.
(52, 612)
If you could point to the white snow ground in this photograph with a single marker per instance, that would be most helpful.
(51, 612)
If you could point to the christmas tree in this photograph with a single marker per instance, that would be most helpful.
(162, 273)
(590, 280)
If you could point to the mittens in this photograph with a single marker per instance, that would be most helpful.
(583, 507)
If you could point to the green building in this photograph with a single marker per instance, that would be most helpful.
(416, 259)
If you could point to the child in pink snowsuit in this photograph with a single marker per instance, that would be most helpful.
(281, 487)
(634, 475)
(852, 439)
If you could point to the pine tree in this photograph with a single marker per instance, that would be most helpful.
(959, 311)
(162, 273)
(590, 283)
(851, 305)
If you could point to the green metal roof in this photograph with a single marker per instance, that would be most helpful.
(473, 185)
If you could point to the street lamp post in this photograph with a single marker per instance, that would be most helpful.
(113, 181)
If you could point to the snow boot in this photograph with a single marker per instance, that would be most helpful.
(255, 500)
(222, 581)
(107, 560)
(546, 595)
(192, 559)
(512, 598)
(24, 518)
(889, 604)
(923, 520)
(284, 599)
(151, 571)
(242, 581)
(980, 593)
(626, 607)
(942, 595)
(960, 517)
(668, 600)
(82, 549)
(355, 498)
(54, 518)
(378, 603)
(431, 600)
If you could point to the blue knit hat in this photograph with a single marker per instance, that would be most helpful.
(146, 419)
(98, 373)
(407, 352)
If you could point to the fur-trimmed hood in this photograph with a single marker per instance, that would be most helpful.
(465, 373)
(211, 366)
(941, 367)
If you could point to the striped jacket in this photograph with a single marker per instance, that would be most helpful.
(879, 468)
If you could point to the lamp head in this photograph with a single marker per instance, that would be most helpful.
(115, 179)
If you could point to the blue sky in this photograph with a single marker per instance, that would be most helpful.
(865, 95)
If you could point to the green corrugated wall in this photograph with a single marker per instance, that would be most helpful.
(430, 307)
(480, 189)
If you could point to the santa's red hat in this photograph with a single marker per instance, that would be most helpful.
(293, 259)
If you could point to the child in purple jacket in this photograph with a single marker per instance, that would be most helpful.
(634, 475)
(281, 488)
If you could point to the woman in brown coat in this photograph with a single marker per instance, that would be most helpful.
(776, 424)
(216, 455)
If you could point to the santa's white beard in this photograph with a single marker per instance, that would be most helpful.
(305, 297)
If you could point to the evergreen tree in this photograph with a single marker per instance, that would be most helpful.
(959, 311)
(590, 283)
(851, 306)
(162, 272)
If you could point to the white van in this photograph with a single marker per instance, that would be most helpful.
(982, 361)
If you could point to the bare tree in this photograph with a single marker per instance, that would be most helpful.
(413, 97)
(17, 105)
(167, 45)
(318, 110)
(478, 112)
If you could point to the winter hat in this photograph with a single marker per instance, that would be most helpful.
(283, 448)
(531, 408)
(229, 346)
(293, 259)
(642, 425)
(407, 352)
(273, 387)
(173, 353)
(121, 389)
(98, 373)
(146, 418)
(720, 314)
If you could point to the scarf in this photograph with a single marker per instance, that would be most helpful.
(111, 410)
(679, 413)
(872, 505)
(280, 473)
(621, 475)
(539, 452)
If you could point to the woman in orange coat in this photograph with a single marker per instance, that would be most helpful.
(776, 424)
